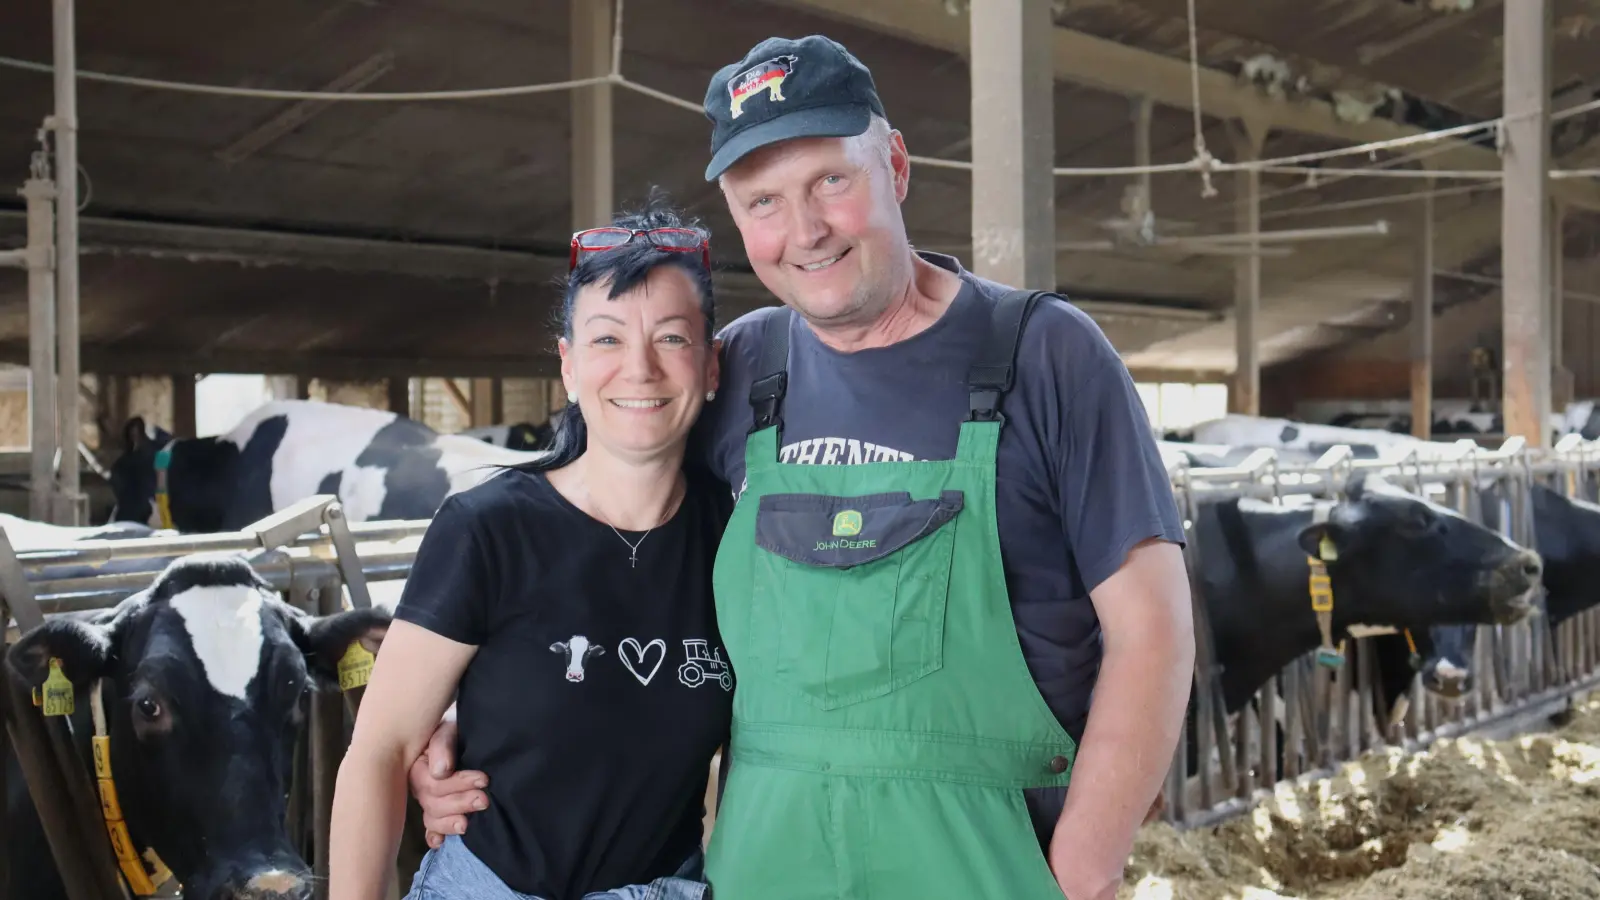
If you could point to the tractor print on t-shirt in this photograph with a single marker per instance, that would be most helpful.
(704, 664)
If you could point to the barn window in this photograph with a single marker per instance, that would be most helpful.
(1173, 404)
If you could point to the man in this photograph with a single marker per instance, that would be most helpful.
(933, 562)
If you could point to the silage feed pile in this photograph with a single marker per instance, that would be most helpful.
(1467, 819)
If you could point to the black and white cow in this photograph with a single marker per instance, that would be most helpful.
(1567, 533)
(379, 464)
(201, 677)
(26, 534)
(516, 436)
(1402, 561)
(1304, 442)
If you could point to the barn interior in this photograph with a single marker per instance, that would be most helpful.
(413, 248)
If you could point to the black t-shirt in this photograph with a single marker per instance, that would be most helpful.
(599, 691)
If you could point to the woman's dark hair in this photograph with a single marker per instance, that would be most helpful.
(624, 268)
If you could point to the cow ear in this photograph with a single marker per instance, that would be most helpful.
(83, 647)
(134, 436)
(1322, 540)
(325, 639)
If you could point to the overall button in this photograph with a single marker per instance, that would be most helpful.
(1059, 765)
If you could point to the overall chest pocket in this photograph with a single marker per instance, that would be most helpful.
(855, 590)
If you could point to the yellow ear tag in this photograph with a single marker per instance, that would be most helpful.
(58, 698)
(355, 667)
(1326, 550)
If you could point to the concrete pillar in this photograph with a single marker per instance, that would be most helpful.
(400, 396)
(592, 169)
(115, 398)
(1422, 320)
(183, 409)
(1525, 221)
(1562, 387)
(1244, 394)
(40, 195)
(66, 173)
(1013, 143)
(486, 402)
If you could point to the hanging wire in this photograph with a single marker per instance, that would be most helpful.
(1203, 162)
(340, 96)
(1202, 156)
(1315, 180)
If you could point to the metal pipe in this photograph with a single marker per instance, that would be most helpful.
(77, 595)
(66, 130)
(1376, 229)
(40, 195)
(15, 259)
(84, 552)
(1543, 702)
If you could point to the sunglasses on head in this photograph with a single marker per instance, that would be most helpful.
(679, 240)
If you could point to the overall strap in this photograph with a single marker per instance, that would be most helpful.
(992, 374)
(772, 371)
(994, 371)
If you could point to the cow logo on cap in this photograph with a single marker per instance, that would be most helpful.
(766, 76)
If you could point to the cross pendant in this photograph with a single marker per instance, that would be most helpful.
(633, 560)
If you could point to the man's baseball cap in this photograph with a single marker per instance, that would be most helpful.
(784, 89)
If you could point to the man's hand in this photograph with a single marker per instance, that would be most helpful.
(445, 796)
(1137, 712)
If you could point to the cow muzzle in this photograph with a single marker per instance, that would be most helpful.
(268, 884)
(1511, 586)
(1445, 679)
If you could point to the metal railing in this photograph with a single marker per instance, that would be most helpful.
(310, 554)
(1329, 718)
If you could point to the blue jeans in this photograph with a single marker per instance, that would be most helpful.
(453, 872)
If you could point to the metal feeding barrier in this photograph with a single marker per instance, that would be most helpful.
(1317, 713)
(308, 553)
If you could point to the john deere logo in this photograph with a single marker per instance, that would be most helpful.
(847, 523)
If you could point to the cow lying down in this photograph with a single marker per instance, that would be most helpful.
(200, 677)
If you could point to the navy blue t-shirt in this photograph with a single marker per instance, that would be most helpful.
(1079, 478)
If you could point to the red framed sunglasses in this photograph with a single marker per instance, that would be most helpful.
(678, 240)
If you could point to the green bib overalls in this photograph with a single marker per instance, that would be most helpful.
(884, 722)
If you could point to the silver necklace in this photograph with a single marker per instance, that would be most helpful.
(633, 557)
(633, 548)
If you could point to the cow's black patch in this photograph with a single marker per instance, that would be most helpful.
(1288, 433)
(251, 497)
(414, 482)
(330, 483)
(200, 483)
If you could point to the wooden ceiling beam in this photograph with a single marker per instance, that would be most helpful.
(1106, 65)
(261, 247)
(106, 360)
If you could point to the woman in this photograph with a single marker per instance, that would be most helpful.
(566, 607)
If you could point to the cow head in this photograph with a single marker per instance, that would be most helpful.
(1401, 559)
(133, 475)
(202, 676)
(578, 651)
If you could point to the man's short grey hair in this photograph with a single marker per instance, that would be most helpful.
(876, 143)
